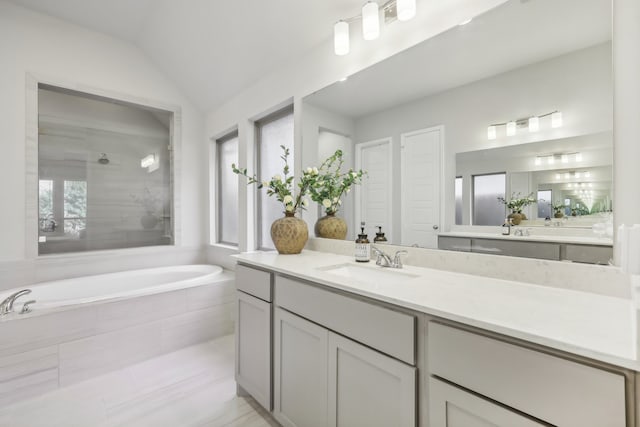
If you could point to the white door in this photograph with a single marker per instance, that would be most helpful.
(373, 196)
(367, 388)
(420, 188)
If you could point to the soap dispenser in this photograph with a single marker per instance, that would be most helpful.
(506, 227)
(363, 247)
(380, 236)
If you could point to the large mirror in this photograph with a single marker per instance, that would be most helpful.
(420, 119)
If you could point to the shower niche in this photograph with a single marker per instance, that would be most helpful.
(104, 173)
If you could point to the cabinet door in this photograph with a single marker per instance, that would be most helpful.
(300, 371)
(253, 348)
(367, 388)
(450, 406)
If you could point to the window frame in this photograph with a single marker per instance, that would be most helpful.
(218, 177)
(473, 193)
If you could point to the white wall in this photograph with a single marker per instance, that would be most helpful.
(315, 70)
(578, 84)
(48, 48)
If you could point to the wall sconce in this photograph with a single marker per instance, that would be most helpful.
(402, 10)
(532, 123)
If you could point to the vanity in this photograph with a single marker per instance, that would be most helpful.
(325, 341)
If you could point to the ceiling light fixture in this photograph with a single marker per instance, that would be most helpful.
(401, 10)
(532, 123)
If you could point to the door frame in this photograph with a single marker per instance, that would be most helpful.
(403, 178)
(358, 192)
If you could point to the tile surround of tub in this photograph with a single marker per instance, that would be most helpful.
(598, 279)
(52, 350)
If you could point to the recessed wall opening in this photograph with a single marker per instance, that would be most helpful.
(104, 173)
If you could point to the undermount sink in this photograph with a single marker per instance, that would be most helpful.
(373, 274)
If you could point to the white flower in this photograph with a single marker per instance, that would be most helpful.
(315, 171)
(305, 202)
(348, 189)
(276, 178)
(335, 200)
(339, 202)
(309, 170)
(287, 199)
(326, 203)
(354, 174)
(265, 183)
(320, 183)
(289, 208)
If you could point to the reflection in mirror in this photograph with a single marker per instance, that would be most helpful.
(439, 97)
(104, 173)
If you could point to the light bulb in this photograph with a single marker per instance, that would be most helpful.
(511, 128)
(370, 21)
(551, 160)
(491, 132)
(567, 175)
(587, 174)
(538, 161)
(534, 124)
(565, 158)
(578, 157)
(577, 174)
(556, 119)
(341, 38)
(406, 9)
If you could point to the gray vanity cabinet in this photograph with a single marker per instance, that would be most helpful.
(450, 406)
(323, 378)
(253, 333)
(300, 372)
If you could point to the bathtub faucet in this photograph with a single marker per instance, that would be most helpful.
(6, 306)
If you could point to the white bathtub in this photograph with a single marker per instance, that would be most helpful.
(111, 286)
(84, 327)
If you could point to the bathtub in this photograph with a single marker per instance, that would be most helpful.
(112, 286)
(86, 326)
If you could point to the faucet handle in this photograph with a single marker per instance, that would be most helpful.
(26, 306)
(397, 261)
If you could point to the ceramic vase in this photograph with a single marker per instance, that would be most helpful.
(289, 234)
(331, 227)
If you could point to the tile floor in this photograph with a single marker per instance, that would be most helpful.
(192, 387)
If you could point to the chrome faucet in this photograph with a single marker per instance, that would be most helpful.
(384, 260)
(6, 306)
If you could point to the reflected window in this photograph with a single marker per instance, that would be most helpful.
(272, 132)
(545, 200)
(487, 210)
(104, 173)
(458, 196)
(227, 190)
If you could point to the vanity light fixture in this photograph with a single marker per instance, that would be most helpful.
(578, 157)
(401, 10)
(370, 21)
(532, 123)
(341, 38)
(406, 9)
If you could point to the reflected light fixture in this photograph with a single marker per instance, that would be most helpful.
(400, 10)
(564, 158)
(556, 119)
(341, 38)
(147, 161)
(406, 9)
(533, 124)
(491, 132)
(578, 157)
(370, 21)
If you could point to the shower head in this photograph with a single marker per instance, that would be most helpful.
(103, 160)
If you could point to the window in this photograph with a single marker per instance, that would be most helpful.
(545, 199)
(272, 132)
(227, 190)
(487, 210)
(458, 197)
(104, 173)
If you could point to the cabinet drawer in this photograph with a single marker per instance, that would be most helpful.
(388, 331)
(547, 387)
(254, 282)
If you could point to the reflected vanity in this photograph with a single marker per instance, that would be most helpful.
(423, 139)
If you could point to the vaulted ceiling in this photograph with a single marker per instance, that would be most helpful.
(211, 49)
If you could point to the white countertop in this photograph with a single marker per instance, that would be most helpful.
(582, 240)
(585, 324)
